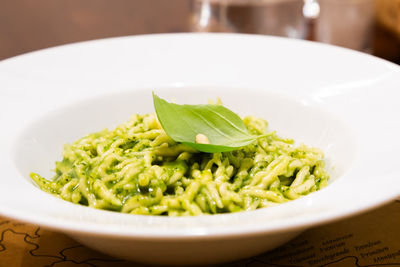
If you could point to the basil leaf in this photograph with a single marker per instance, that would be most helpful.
(223, 128)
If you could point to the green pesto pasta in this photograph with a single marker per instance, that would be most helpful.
(138, 169)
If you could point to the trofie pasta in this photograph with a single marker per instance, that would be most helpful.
(138, 169)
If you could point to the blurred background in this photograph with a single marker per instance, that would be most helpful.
(371, 26)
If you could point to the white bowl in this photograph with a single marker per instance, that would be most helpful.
(341, 101)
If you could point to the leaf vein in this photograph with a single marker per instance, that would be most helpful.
(227, 120)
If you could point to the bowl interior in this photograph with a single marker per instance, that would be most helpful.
(40, 144)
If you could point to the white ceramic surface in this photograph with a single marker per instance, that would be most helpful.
(342, 101)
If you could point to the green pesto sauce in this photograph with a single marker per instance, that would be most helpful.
(138, 169)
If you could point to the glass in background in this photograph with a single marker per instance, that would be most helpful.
(347, 23)
(272, 17)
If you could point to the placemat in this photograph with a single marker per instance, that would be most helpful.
(370, 239)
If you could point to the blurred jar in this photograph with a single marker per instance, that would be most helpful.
(347, 23)
(387, 34)
(388, 12)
